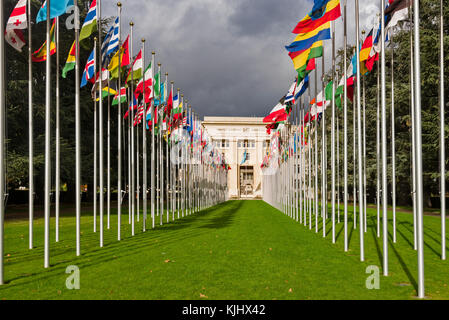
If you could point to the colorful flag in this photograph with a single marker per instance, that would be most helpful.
(148, 83)
(16, 23)
(70, 63)
(89, 70)
(106, 91)
(324, 12)
(120, 96)
(110, 42)
(366, 47)
(278, 114)
(41, 54)
(90, 23)
(121, 55)
(395, 12)
(136, 71)
(57, 8)
(306, 40)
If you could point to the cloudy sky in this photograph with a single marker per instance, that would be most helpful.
(227, 56)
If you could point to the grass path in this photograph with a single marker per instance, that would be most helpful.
(236, 250)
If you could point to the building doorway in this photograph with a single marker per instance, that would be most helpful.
(246, 181)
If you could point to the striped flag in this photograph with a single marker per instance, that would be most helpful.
(89, 70)
(136, 71)
(41, 54)
(110, 42)
(120, 96)
(70, 63)
(90, 24)
(16, 22)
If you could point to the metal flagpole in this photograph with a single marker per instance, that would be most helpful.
(95, 139)
(393, 146)
(47, 143)
(2, 139)
(364, 156)
(338, 163)
(412, 114)
(384, 145)
(144, 141)
(78, 139)
(345, 127)
(132, 193)
(153, 185)
(359, 138)
(442, 140)
(323, 149)
(108, 161)
(378, 198)
(100, 132)
(333, 133)
(418, 137)
(30, 131)
(316, 153)
(57, 138)
(119, 130)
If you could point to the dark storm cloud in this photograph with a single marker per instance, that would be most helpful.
(227, 56)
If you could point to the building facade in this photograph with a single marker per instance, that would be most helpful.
(244, 143)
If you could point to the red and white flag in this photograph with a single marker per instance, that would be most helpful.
(16, 23)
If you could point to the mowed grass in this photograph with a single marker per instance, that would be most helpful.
(236, 250)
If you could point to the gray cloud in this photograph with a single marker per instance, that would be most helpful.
(227, 56)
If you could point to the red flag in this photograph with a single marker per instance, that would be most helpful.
(125, 57)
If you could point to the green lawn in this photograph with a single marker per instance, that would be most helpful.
(236, 250)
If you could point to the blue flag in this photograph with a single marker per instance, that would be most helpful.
(57, 8)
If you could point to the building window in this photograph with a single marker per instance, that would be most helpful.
(248, 156)
(253, 144)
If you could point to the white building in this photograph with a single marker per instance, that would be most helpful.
(244, 143)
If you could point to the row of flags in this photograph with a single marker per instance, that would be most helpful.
(311, 32)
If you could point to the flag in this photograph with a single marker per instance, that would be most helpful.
(321, 14)
(89, 70)
(278, 114)
(156, 86)
(70, 63)
(136, 70)
(119, 96)
(300, 58)
(328, 91)
(106, 91)
(366, 47)
(57, 8)
(104, 81)
(90, 23)
(16, 23)
(245, 157)
(395, 12)
(148, 83)
(110, 42)
(41, 54)
(306, 40)
(121, 55)
(169, 105)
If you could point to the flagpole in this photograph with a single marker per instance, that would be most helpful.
(316, 152)
(2, 140)
(393, 146)
(119, 129)
(378, 149)
(384, 145)
(359, 137)
(364, 154)
(78, 138)
(418, 135)
(100, 133)
(144, 141)
(442, 140)
(323, 150)
(30, 130)
(131, 98)
(345, 126)
(412, 114)
(333, 133)
(108, 161)
(95, 137)
(153, 152)
(164, 183)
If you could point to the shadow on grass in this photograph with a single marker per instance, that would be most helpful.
(218, 216)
